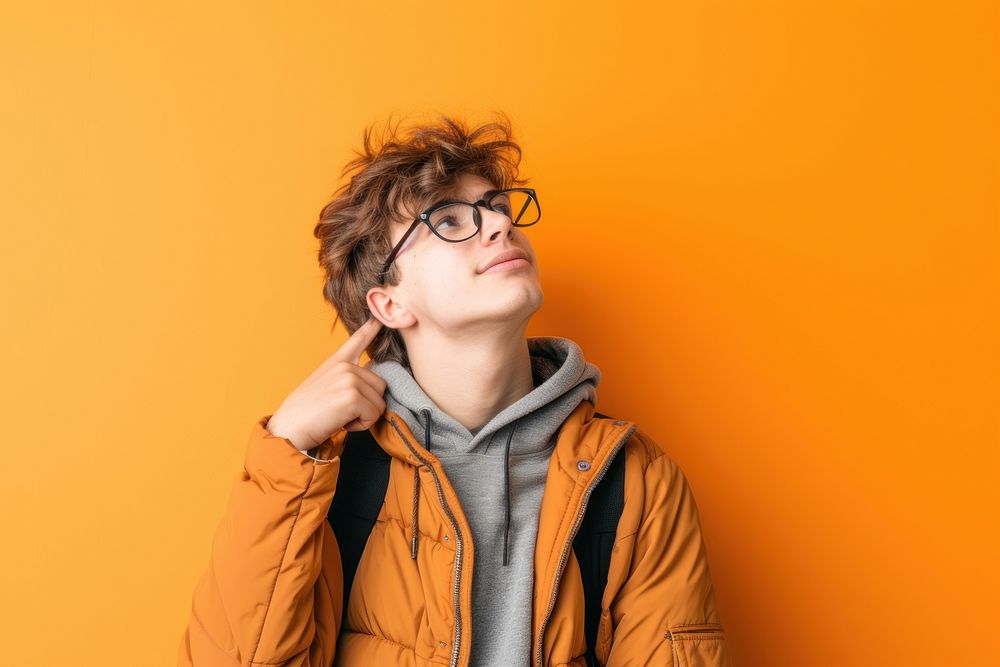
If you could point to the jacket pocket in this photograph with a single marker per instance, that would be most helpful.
(698, 645)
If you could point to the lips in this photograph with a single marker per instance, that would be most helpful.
(506, 256)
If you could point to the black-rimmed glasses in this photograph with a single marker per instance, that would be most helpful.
(454, 221)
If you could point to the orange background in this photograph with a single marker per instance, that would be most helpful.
(772, 224)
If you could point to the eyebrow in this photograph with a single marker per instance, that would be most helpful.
(484, 194)
(453, 200)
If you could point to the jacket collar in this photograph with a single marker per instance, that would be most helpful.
(582, 437)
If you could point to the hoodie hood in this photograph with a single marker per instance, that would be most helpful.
(527, 427)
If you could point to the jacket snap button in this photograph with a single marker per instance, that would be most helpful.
(442, 644)
(445, 538)
(583, 465)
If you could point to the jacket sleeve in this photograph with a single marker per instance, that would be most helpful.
(665, 612)
(265, 598)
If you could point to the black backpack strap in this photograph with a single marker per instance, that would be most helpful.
(594, 541)
(361, 485)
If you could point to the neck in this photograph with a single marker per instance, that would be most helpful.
(472, 379)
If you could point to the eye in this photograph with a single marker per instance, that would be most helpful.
(501, 204)
(449, 220)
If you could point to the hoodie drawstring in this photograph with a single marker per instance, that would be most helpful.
(416, 491)
(506, 491)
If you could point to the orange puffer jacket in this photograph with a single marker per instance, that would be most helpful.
(273, 592)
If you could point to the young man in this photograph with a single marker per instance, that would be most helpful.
(494, 444)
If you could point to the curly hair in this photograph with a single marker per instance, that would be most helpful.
(398, 173)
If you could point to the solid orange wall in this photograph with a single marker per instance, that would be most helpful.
(772, 225)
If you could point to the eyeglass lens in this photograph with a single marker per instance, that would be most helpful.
(456, 222)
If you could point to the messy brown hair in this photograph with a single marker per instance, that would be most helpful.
(398, 173)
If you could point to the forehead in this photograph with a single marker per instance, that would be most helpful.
(467, 187)
(470, 186)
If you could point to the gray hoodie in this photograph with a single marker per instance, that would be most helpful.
(498, 472)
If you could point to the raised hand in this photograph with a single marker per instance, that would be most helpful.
(340, 393)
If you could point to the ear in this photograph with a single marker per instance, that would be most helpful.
(387, 310)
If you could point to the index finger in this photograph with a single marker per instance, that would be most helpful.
(358, 342)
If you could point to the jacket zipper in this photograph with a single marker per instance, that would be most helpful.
(673, 648)
(458, 546)
(569, 540)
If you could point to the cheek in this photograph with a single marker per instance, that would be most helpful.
(437, 274)
(522, 241)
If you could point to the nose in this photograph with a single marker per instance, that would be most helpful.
(494, 224)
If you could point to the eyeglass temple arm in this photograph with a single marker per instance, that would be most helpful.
(399, 244)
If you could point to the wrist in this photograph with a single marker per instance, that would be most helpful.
(299, 441)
